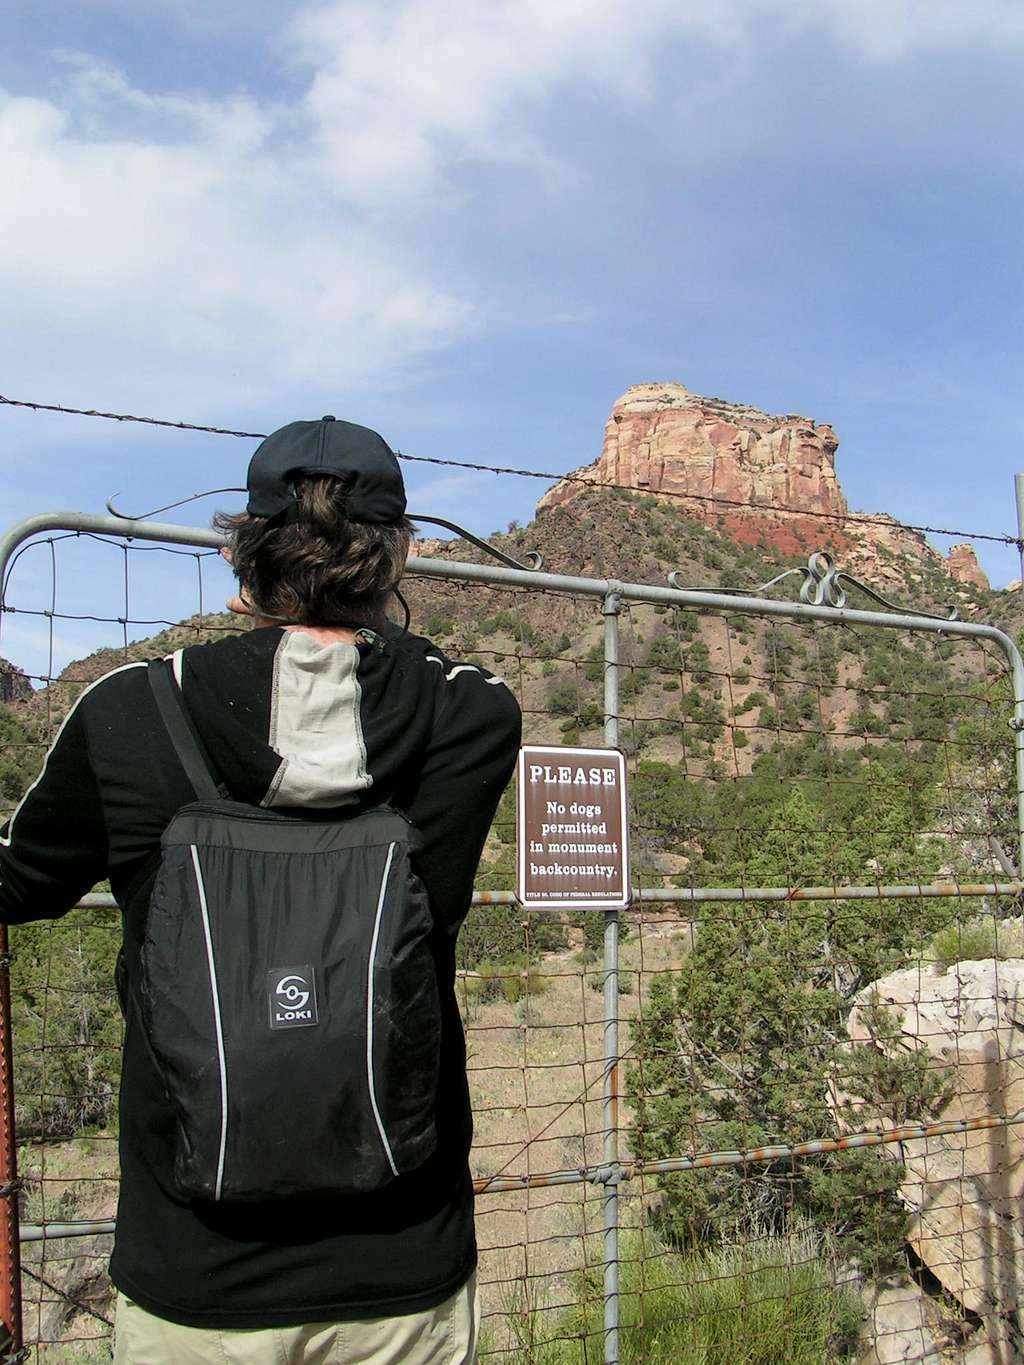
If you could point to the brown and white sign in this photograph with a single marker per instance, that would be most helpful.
(572, 830)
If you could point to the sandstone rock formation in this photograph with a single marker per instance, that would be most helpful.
(963, 1190)
(660, 438)
(755, 477)
(14, 686)
(874, 549)
(963, 565)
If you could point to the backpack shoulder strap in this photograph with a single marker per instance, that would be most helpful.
(186, 743)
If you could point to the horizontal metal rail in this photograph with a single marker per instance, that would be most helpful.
(528, 579)
(650, 895)
(632, 1170)
(54, 1232)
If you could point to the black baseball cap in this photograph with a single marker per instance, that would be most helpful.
(350, 452)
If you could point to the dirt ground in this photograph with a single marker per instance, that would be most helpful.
(536, 1072)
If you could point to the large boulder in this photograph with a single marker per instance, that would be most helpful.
(902, 1324)
(963, 1190)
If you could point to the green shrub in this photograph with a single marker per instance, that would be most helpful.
(665, 652)
(593, 669)
(976, 939)
(62, 995)
(511, 979)
(490, 932)
(505, 933)
(563, 699)
(20, 757)
(507, 623)
(751, 1015)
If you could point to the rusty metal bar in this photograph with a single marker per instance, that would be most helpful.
(10, 1257)
(630, 1170)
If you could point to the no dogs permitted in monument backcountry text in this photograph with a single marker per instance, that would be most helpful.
(572, 833)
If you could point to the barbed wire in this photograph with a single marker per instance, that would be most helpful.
(840, 518)
(127, 417)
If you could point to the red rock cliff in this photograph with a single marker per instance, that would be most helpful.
(14, 686)
(753, 476)
(963, 565)
(660, 438)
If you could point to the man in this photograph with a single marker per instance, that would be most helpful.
(322, 706)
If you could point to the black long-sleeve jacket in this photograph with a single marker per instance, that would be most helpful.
(287, 723)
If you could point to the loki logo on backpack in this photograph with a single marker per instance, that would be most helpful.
(292, 997)
(338, 1094)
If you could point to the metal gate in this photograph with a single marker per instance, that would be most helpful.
(822, 601)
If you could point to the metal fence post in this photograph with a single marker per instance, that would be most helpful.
(610, 609)
(10, 1251)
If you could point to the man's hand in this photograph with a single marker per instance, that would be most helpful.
(237, 604)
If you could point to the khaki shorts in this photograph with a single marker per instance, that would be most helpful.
(445, 1335)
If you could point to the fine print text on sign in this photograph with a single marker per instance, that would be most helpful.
(572, 830)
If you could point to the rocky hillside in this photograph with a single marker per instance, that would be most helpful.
(724, 688)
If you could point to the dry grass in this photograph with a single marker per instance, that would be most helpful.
(67, 1300)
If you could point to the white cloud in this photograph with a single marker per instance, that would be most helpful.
(886, 29)
(445, 494)
(197, 244)
(399, 90)
(178, 242)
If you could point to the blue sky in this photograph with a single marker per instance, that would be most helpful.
(473, 226)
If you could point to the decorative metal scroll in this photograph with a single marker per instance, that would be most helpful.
(167, 507)
(531, 561)
(823, 585)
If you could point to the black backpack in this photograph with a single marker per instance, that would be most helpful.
(288, 992)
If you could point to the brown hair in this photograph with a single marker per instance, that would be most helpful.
(318, 567)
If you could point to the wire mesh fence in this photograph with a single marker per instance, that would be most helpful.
(825, 950)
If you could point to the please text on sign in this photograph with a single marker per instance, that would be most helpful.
(572, 828)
